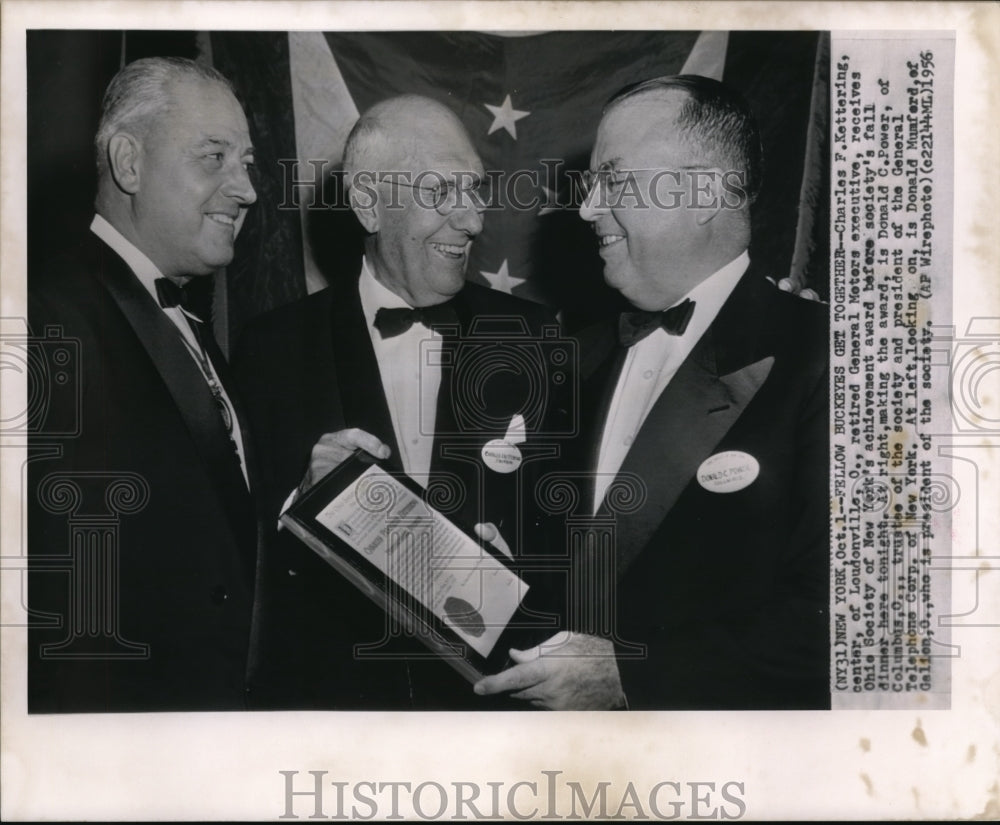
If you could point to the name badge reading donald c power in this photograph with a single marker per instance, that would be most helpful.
(728, 472)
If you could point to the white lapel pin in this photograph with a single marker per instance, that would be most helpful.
(502, 455)
(728, 472)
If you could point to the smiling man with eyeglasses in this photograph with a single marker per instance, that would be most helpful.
(393, 355)
(713, 392)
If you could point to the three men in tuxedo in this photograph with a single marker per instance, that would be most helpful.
(150, 588)
(714, 395)
(412, 354)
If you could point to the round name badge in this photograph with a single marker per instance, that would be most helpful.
(728, 472)
(501, 456)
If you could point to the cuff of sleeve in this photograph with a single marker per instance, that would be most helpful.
(285, 506)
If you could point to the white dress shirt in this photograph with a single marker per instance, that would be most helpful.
(650, 365)
(147, 273)
(410, 368)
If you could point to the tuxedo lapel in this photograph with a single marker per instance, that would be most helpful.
(186, 384)
(445, 419)
(601, 362)
(358, 376)
(706, 396)
(688, 420)
(478, 397)
(456, 451)
(312, 362)
(228, 382)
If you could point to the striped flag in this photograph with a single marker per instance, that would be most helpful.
(531, 104)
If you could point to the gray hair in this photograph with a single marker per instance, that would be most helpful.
(140, 93)
(388, 133)
(368, 148)
(714, 116)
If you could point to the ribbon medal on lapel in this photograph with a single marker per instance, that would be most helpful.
(502, 454)
(728, 472)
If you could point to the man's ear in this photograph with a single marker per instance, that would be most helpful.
(707, 194)
(124, 161)
(364, 204)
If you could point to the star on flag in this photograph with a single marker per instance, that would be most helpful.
(505, 116)
(502, 280)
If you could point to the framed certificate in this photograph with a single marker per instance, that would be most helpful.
(433, 576)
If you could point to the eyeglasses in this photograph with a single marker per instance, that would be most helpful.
(605, 175)
(612, 179)
(446, 196)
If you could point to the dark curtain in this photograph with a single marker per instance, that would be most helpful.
(267, 270)
(67, 72)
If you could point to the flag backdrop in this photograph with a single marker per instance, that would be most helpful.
(527, 101)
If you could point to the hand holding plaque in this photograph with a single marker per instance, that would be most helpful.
(571, 671)
(333, 449)
(447, 587)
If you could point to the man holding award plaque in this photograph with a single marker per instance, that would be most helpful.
(455, 385)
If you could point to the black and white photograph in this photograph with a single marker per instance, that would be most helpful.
(380, 378)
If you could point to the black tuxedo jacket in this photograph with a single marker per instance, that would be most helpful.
(142, 533)
(308, 369)
(727, 592)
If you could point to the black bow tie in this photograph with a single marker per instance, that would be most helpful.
(634, 326)
(396, 321)
(170, 294)
(195, 297)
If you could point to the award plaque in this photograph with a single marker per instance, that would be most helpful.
(432, 575)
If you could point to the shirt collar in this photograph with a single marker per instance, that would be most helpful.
(711, 294)
(145, 270)
(375, 295)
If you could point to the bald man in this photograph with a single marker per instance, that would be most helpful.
(354, 356)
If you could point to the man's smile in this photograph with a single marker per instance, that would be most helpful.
(452, 251)
(222, 217)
